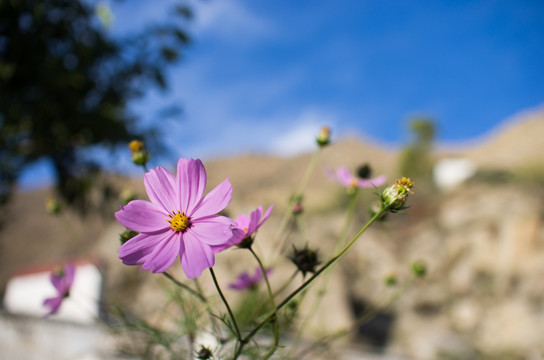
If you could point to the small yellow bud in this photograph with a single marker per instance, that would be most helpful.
(324, 136)
(139, 153)
(394, 197)
(52, 206)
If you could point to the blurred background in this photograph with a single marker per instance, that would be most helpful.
(448, 94)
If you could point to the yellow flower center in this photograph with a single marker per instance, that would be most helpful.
(179, 221)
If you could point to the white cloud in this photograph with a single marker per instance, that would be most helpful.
(229, 19)
(299, 135)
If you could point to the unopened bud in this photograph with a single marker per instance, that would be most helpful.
(204, 353)
(419, 268)
(391, 280)
(127, 235)
(297, 209)
(139, 153)
(324, 136)
(305, 259)
(394, 197)
(52, 206)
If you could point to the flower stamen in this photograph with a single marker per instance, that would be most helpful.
(179, 221)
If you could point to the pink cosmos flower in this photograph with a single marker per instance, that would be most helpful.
(62, 281)
(346, 178)
(246, 281)
(177, 221)
(245, 227)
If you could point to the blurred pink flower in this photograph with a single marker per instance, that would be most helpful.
(62, 281)
(246, 281)
(245, 227)
(177, 221)
(346, 178)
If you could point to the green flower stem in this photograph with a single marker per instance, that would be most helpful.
(307, 282)
(383, 305)
(280, 238)
(272, 304)
(284, 286)
(350, 211)
(238, 334)
(182, 285)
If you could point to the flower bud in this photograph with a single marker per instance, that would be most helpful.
(391, 279)
(52, 206)
(394, 196)
(324, 136)
(297, 209)
(419, 268)
(204, 353)
(127, 235)
(305, 259)
(139, 153)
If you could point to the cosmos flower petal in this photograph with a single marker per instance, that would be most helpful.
(160, 187)
(330, 173)
(164, 254)
(266, 215)
(212, 230)
(344, 176)
(242, 222)
(196, 257)
(369, 183)
(143, 216)
(136, 250)
(191, 183)
(254, 218)
(215, 201)
(237, 236)
(53, 303)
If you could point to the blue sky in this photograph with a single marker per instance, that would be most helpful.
(263, 76)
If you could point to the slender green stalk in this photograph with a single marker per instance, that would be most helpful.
(186, 287)
(233, 319)
(272, 303)
(382, 305)
(307, 282)
(298, 194)
(350, 211)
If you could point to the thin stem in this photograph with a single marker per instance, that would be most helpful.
(314, 276)
(298, 194)
(272, 303)
(382, 305)
(238, 334)
(350, 211)
(182, 285)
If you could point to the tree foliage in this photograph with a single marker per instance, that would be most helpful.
(65, 84)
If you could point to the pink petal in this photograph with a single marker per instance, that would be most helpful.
(368, 183)
(53, 304)
(136, 250)
(254, 218)
(160, 187)
(266, 215)
(330, 173)
(143, 216)
(212, 230)
(215, 201)
(164, 254)
(196, 257)
(191, 183)
(237, 236)
(344, 176)
(242, 222)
